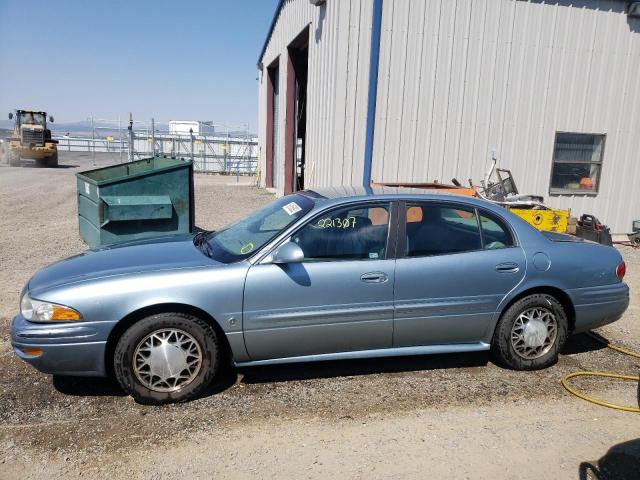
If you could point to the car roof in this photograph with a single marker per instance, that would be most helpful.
(350, 193)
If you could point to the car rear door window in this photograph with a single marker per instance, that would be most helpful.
(435, 229)
(348, 233)
(495, 233)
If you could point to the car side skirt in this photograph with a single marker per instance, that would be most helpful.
(377, 353)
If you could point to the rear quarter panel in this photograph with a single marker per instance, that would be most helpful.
(585, 271)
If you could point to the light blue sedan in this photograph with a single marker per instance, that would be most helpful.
(319, 275)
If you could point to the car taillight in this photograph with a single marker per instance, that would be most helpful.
(621, 269)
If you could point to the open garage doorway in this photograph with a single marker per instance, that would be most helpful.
(273, 95)
(295, 143)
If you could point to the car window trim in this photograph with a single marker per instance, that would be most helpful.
(391, 231)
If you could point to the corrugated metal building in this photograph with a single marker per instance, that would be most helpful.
(353, 91)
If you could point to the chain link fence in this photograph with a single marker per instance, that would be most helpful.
(235, 153)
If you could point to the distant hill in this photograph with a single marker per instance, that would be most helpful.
(83, 128)
(66, 127)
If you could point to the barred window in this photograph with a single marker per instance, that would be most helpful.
(577, 162)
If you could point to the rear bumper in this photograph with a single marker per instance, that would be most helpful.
(598, 306)
(66, 349)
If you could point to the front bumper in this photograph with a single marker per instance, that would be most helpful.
(67, 348)
(36, 152)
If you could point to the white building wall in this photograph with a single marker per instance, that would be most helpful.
(184, 127)
(459, 78)
(339, 50)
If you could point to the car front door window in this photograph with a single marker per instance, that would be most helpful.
(349, 233)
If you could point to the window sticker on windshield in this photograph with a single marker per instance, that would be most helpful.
(373, 254)
(292, 208)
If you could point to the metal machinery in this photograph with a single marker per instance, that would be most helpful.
(528, 207)
(30, 139)
(442, 187)
(634, 238)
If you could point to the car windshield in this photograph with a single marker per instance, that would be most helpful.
(32, 118)
(245, 237)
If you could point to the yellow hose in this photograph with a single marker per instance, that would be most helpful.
(570, 389)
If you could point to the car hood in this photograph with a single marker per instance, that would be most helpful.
(161, 253)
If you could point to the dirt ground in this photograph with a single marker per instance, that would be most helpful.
(445, 416)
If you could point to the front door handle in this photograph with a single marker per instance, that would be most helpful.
(374, 277)
(508, 267)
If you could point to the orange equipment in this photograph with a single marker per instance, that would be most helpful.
(442, 187)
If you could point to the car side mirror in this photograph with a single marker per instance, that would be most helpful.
(10, 116)
(50, 119)
(288, 253)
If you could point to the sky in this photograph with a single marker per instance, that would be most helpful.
(180, 60)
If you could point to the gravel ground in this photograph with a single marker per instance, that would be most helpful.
(452, 415)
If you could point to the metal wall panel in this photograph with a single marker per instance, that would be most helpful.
(339, 48)
(459, 78)
(356, 93)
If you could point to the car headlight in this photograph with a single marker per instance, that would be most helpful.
(38, 311)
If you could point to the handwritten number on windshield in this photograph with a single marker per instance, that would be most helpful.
(344, 223)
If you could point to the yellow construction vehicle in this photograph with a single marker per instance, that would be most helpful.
(30, 139)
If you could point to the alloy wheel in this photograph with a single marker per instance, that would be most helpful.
(167, 360)
(534, 333)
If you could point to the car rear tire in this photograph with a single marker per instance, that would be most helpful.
(166, 358)
(530, 333)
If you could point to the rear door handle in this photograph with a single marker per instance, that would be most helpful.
(374, 277)
(508, 267)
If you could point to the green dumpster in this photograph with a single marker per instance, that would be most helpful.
(129, 201)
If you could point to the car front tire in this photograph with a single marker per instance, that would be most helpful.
(530, 333)
(166, 358)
